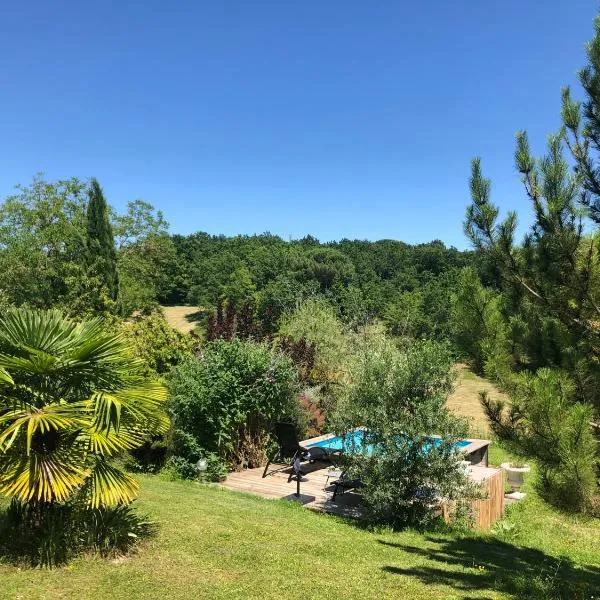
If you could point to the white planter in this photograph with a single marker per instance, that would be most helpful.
(515, 474)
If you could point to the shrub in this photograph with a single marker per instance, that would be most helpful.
(150, 457)
(399, 396)
(226, 398)
(545, 422)
(156, 343)
(178, 467)
(65, 530)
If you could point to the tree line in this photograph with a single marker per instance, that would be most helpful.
(48, 235)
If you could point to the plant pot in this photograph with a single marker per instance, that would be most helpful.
(515, 474)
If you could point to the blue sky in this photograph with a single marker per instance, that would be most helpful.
(339, 119)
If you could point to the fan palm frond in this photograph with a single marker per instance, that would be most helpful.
(107, 485)
(71, 397)
(5, 376)
(43, 477)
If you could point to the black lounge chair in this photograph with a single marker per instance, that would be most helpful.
(289, 449)
(344, 483)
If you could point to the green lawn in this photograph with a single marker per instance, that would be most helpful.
(218, 544)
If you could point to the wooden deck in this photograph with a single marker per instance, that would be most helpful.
(316, 492)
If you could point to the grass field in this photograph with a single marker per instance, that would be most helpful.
(465, 399)
(212, 544)
(184, 318)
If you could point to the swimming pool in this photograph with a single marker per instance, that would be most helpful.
(356, 441)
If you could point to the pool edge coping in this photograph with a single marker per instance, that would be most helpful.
(474, 443)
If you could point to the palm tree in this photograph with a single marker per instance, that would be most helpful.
(72, 397)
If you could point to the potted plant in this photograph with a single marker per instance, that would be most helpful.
(515, 472)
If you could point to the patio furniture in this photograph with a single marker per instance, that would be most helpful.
(333, 473)
(344, 484)
(289, 450)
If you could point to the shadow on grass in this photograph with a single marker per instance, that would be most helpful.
(193, 317)
(474, 565)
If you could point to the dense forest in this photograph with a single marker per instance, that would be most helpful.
(42, 236)
(409, 287)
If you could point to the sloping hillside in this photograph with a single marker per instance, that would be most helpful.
(184, 318)
(221, 545)
(465, 399)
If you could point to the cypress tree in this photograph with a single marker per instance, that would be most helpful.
(102, 257)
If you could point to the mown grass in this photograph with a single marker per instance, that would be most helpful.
(183, 318)
(464, 401)
(214, 543)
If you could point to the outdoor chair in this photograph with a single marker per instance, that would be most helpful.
(289, 449)
(344, 484)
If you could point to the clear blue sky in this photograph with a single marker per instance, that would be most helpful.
(336, 118)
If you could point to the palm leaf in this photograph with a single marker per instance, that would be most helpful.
(110, 443)
(109, 486)
(31, 331)
(142, 404)
(71, 396)
(32, 421)
(5, 376)
(41, 478)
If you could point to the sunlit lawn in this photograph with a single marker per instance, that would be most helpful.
(218, 544)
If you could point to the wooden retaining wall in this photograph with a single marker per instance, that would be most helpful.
(490, 508)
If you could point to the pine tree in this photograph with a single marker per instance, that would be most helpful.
(102, 257)
(553, 281)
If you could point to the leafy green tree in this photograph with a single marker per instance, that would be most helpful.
(146, 272)
(316, 322)
(280, 296)
(240, 288)
(101, 253)
(437, 303)
(405, 317)
(140, 221)
(42, 242)
(71, 399)
(328, 266)
(398, 396)
(355, 307)
(146, 257)
(227, 398)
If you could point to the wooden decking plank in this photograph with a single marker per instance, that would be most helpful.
(317, 497)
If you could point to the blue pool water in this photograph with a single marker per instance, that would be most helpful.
(354, 441)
